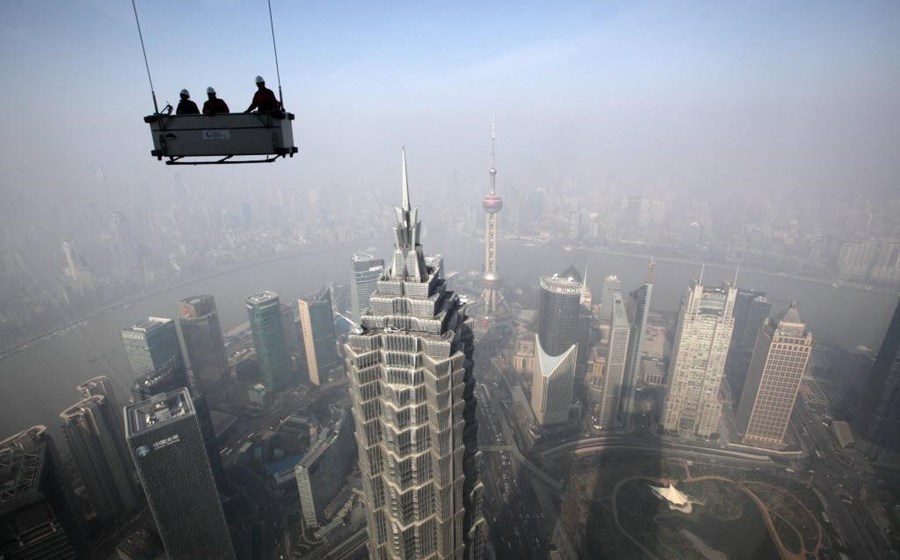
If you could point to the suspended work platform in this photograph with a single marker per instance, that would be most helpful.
(222, 138)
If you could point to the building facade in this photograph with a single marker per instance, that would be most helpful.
(410, 369)
(102, 386)
(616, 354)
(705, 324)
(638, 309)
(751, 312)
(878, 424)
(779, 361)
(556, 347)
(267, 330)
(319, 341)
(167, 447)
(154, 355)
(89, 429)
(204, 344)
(553, 385)
(39, 518)
(321, 473)
(365, 272)
(158, 366)
(611, 285)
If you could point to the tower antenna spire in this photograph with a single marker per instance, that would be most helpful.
(493, 155)
(650, 269)
(405, 181)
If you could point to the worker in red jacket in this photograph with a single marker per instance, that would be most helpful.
(264, 99)
(214, 105)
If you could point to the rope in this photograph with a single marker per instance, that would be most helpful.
(274, 48)
(146, 64)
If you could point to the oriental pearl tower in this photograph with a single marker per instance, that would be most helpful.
(492, 205)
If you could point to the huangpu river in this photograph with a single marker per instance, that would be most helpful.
(39, 381)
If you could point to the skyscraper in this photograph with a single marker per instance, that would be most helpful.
(155, 357)
(556, 347)
(607, 297)
(319, 342)
(616, 353)
(102, 385)
(638, 309)
(38, 517)
(705, 323)
(158, 367)
(878, 421)
(492, 204)
(365, 273)
(267, 329)
(779, 361)
(585, 325)
(321, 473)
(167, 446)
(410, 370)
(204, 344)
(89, 428)
(751, 311)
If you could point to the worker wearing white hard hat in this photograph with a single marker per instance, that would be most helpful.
(186, 106)
(214, 105)
(264, 99)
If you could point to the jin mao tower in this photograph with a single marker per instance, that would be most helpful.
(410, 369)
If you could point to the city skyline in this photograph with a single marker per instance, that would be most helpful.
(398, 408)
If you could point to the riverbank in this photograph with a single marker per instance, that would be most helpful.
(835, 282)
(133, 299)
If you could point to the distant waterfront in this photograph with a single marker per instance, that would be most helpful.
(39, 381)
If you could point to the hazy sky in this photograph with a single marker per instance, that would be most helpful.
(705, 95)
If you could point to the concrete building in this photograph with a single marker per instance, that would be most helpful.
(616, 353)
(523, 359)
(556, 346)
(38, 516)
(319, 341)
(102, 386)
(607, 295)
(89, 427)
(267, 329)
(365, 272)
(260, 395)
(779, 362)
(596, 369)
(638, 309)
(410, 370)
(322, 472)
(204, 344)
(167, 447)
(705, 324)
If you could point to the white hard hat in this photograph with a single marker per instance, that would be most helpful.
(210, 89)
(260, 80)
(185, 92)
